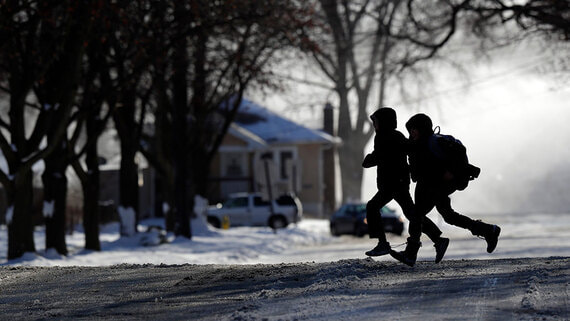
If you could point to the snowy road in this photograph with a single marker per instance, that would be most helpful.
(300, 273)
(503, 289)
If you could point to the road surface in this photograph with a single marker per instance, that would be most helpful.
(354, 289)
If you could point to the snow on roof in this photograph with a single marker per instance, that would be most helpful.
(275, 129)
(253, 141)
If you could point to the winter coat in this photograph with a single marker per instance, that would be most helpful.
(424, 165)
(390, 158)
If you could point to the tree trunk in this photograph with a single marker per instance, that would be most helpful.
(91, 191)
(55, 199)
(129, 189)
(91, 212)
(128, 174)
(180, 118)
(350, 156)
(21, 228)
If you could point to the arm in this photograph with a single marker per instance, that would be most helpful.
(371, 159)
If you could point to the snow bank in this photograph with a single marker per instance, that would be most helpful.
(246, 245)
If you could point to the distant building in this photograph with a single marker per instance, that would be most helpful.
(295, 158)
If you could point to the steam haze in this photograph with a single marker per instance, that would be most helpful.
(511, 112)
(514, 121)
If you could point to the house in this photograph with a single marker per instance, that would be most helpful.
(263, 149)
(298, 160)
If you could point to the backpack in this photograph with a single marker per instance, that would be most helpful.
(453, 154)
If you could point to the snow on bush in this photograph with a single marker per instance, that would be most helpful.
(128, 217)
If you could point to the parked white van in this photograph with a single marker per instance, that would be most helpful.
(249, 209)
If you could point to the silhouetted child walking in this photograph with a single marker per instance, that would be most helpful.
(439, 170)
(393, 182)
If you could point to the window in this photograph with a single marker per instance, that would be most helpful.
(285, 158)
(236, 202)
(233, 164)
(258, 201)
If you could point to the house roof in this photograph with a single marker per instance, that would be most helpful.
(253, 141)
(274, 129)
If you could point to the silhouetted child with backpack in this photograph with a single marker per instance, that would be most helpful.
(439, 165)
(393, 182)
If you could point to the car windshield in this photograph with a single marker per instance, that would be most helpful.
(236, 202)
(355, 210)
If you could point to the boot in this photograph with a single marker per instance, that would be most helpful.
(440, 248)
(409, 255)
(489, 232)
(382, 248)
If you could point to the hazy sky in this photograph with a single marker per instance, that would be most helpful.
(512, 116)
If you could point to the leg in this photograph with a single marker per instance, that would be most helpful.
(488, 231)
(375, 225)
(443, 206)
(428, 226)
(424, 204)
(373, 217)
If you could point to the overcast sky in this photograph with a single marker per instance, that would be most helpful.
(512, 114)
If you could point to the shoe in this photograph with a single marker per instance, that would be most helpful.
(492, 238)
(409, 255)
(401, 256)
(379, 250)
(487, 231)
(440, 248)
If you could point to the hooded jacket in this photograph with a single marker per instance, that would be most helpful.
(390, 150)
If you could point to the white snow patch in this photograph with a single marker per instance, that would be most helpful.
(9, 215)
(199, 224)
(52, 254)
(48, 208)
(310, 240)
(127, 216)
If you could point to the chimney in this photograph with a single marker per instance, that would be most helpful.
(329, 163)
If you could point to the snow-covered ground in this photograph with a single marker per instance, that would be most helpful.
(523, 235)
(340, 285)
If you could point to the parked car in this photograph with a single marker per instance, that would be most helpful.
(250, 209)
(351, 219)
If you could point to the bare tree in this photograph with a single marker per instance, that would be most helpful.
(547, 17)
(95, 106)
(364, 45)
(218, 49)
(127, 37)
(38, 38)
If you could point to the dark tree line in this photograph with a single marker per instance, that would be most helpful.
(170, 74)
